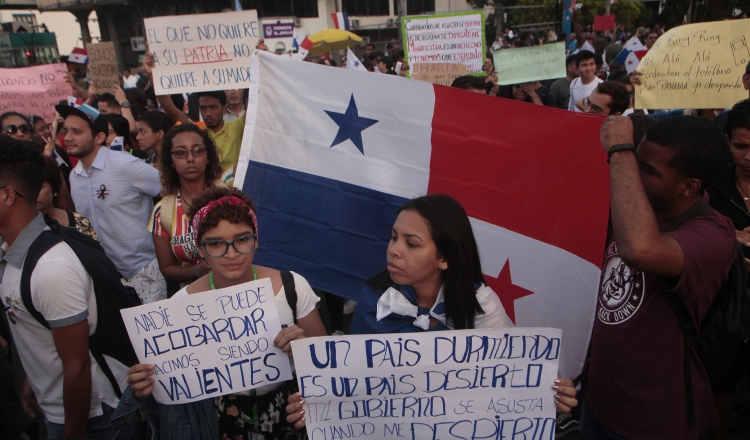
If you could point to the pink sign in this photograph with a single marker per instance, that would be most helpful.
(33, 90)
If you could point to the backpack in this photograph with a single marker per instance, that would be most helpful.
(725, 329)
(111, 337)
(287, 280)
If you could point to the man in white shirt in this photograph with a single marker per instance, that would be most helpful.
(129, 81)
(586, 82)
(74, 395)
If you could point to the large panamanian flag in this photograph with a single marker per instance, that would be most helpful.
(329, 155)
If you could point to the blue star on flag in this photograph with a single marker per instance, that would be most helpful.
(350, 125)
(356, 64)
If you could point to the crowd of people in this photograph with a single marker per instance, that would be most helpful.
(149, 177)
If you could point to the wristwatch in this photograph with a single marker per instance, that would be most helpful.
(125, 104)
(620, 147)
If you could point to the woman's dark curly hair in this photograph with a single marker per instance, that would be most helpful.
(235, 214)
(170, 180)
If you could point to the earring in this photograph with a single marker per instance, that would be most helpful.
(442, 267)
(55, 194)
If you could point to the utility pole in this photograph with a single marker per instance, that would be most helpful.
(401, 12)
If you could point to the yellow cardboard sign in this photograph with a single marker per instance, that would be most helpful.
(696, 66)
(438, 73)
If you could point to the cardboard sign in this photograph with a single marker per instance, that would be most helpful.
(526, 64)
(34, 90)
(466, 384)
(202, 52)
(437, 73)
(604, 22)
(103, 66)
(446, 38)
(210, 344)
(696, 66)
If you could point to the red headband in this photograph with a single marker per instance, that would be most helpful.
(226, 200)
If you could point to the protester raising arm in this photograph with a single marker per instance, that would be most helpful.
(177, 115)
(578, 29)
(126, 112)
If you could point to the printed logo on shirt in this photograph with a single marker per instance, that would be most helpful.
(621, 291)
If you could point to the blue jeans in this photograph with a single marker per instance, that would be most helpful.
(592, 429)
(99, 427)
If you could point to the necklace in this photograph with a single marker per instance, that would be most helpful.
(212, 285)
(746, 197)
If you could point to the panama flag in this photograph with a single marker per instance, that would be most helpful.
(79, 55)
(340, 20)
(353, 63)
(631, 54)
(534, 181)
(304, 49)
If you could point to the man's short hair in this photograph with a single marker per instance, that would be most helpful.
(584, 55)
(747, 69)
(218, 94)
(109, 99)
(370, 45)
(468, 82)
(570, 59)
(22, 167)
(619, 94)
(387, 60)
(699, 146)
(738, 117)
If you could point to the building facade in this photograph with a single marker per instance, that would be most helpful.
(374, 20)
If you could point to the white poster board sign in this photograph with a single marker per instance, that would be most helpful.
(456, 37)
(464, 384)
(210, 344)
(202, 52)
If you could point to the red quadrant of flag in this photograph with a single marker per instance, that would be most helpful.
(534, 170)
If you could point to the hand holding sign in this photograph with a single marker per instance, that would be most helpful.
(209, 344)
(482, 383)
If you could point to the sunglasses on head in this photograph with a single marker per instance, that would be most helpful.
(12, 128)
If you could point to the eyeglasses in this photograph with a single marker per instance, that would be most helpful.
(242, 245)
(17, 193)
(592, 108)
(196, 152)
(12, 128)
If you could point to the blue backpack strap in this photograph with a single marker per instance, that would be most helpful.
(43, 243)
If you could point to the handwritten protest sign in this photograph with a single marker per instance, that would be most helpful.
(203, 51)
(446, 38)
(437, 73)
(696, 66)
(526, 64)
(604, 22)
(103, 66)
(34, 90)
(210, 344)
(470, 384)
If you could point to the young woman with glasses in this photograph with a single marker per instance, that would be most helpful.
(189, 165)
(226, 227)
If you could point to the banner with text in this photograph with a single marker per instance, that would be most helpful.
(524, 64)
(210, 344)
(463, 384)
(437, 73)
(696, 66)
(446, 38)
(202, 52)
(34, 90)
(103, 66)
